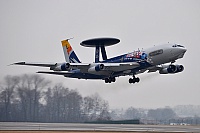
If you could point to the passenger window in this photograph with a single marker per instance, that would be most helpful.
(157, 52)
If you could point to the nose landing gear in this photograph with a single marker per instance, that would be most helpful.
(134, 80)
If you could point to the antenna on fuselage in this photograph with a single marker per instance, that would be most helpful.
(100, 43)
(70, 38)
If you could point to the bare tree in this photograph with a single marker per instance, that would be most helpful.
(63, 105)
(87, 107)
(38, 84)
(104, 114)
(95, 108)
(132, 113)
(161, 114)
(30, 98)
(58, 101)
(29, 93)
(75, 101)
(7, 96)
(47, 111)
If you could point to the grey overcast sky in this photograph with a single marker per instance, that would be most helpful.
(32, 30)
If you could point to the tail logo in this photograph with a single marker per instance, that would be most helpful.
(68, 46)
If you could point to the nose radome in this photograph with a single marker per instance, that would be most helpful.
(184, 50)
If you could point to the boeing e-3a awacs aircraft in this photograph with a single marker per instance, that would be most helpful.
(152, 59)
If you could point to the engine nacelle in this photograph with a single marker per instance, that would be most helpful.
(62, 67)
(96, 68)
(180, 68)
(170, 69)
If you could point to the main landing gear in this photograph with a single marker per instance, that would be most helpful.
(131, 80)
(134, 80)
(110, 79)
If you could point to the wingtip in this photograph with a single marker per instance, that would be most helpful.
(19, 63)
(38, 72)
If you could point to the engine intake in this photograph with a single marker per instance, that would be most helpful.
(180, 68)
(171, 69)
(62, 67)
(96, 68)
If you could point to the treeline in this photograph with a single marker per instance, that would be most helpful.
(32, 98)
(187, 110)
(148, 114)
(165, 115)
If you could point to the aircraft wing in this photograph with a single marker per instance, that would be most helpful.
(83, 67)
(35, 64)
(108, 67)
(115, 67)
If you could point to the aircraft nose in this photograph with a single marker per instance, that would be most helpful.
(183, 50)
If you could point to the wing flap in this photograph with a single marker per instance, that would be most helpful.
(83, 67)
(56, 73)
(153, 69)
(120, 66)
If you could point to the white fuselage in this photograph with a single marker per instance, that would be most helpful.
(164, 53)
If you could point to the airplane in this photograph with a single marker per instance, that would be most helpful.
(159, 58)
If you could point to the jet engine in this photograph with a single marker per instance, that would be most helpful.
(62, 67)
(180, 68)
(96, 68)
(171, 69)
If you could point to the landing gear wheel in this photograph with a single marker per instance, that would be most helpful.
(130, 80)
(110, 79)
(137, 80)
(106, 80)
(113, 79)
(133, 80)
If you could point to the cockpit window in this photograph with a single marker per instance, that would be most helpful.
(180, 46)
(177, 45)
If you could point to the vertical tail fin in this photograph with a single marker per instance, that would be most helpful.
(69, 53)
